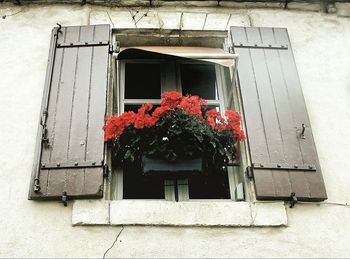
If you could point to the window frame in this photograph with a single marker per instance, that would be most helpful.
(171, 68)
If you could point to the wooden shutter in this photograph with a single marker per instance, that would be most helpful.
(284, 160)
(70, 147)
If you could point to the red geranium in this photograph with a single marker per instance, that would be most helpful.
(184, 116)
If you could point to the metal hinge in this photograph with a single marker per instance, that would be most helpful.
(66, 165)
(249, 172)
(277, 166)
(231, 50)
(82, 44)
(260, 46)
(105, 170)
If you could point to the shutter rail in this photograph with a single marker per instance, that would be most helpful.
(274, 166)
(66, 165)
(260, 46)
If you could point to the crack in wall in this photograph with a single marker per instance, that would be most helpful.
(115, 241)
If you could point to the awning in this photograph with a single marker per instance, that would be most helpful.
(213, 55)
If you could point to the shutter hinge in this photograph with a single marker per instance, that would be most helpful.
(105, 170)
(115, 47)
(64, 199)
(230, 49)
(249, 172)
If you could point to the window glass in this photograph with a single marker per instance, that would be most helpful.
(212, 186)
(137, 186)
(199, 79)
(142, 81)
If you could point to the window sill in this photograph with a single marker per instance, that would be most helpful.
(191, 213)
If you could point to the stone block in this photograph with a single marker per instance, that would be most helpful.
(90, 212)
(269, 214)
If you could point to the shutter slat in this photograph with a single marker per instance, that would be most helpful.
(51, 114)
(80, 103)
(76, 108)
(274, 113)
(64, 105)
(297, 99)
(97, 104)
(251, 100)
(266, 100)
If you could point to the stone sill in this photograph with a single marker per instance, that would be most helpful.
(181, 214)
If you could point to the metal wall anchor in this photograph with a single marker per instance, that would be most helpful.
(302, 134)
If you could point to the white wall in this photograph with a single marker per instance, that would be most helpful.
(43, 229)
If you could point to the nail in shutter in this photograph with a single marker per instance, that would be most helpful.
(282, 148)
(70, 158)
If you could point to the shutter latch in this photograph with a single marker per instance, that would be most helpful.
(293, 200)
(44, 137)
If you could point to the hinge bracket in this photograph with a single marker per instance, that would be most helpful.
(82, 44)
(260, 46)
(105, 170)
(283, 166)
(249, 172)
(67, 165)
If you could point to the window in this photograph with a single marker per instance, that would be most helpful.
(70, 153)
(143, 80)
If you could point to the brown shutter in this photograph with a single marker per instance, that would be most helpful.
(283, 159)
(71, 159)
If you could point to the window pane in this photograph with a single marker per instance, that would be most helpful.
(199, 79)
(212, 186)
(142, 81)
(137, 186)
(136, 107)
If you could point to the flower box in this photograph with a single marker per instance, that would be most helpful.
(181, 168)
(182, 127)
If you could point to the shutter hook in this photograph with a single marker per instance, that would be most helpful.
(36, 185)
(64, 199)
(293, 200)
(302, 134)
(59, 28)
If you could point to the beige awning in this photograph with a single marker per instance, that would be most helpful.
(213, 55)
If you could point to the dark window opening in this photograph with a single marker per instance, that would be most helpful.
(212, 186)
(142, 81)
(199, 79)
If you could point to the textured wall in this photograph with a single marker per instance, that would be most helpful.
(33, 229)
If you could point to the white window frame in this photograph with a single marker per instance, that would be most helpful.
(172, 68)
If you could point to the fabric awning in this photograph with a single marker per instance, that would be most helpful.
(213, 55)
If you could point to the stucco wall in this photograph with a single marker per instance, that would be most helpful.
(43, 229)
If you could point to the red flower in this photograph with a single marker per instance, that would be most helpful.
(192, 105)
(143, 119)
(115, 125)
(171, 99)
(159, 111)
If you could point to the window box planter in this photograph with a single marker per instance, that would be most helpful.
(181, 168)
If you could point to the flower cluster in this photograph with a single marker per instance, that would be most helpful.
(189, 127)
